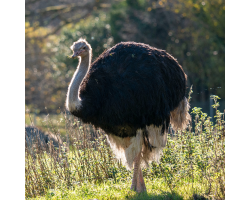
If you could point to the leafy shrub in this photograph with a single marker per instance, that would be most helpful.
(194, 157)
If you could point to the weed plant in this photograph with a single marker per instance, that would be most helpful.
(192, 164)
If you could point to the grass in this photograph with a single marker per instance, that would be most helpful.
(192, 165)
(156, 189)
(47, 122)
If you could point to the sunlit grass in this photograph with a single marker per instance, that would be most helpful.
(193, 163)
(47, 122)
(156, 189)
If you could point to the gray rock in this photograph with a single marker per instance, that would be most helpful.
(35, 138)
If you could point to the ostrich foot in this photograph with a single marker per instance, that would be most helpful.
(138, 184)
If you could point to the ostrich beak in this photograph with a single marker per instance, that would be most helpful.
(74, 56)
(77, 54)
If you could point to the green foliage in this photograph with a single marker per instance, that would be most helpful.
(137, 4)
(56, 70)
(95, 29)
(193, 163)
(193, 31)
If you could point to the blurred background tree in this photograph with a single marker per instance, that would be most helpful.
(193, 31)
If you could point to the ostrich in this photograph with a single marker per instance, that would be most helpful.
(133, 92)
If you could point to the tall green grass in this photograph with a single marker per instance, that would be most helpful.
(192, 165)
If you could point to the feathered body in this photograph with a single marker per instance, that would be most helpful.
(133, 92)
(131, 86)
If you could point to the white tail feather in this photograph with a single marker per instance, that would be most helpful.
(180, 116)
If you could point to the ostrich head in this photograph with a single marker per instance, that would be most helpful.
(81, 48)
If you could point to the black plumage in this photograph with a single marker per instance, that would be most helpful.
(131, 86)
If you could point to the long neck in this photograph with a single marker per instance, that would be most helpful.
(73, 101)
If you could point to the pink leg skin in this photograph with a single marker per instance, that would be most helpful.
(138, 184)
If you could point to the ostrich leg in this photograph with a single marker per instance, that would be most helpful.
(138, 182)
